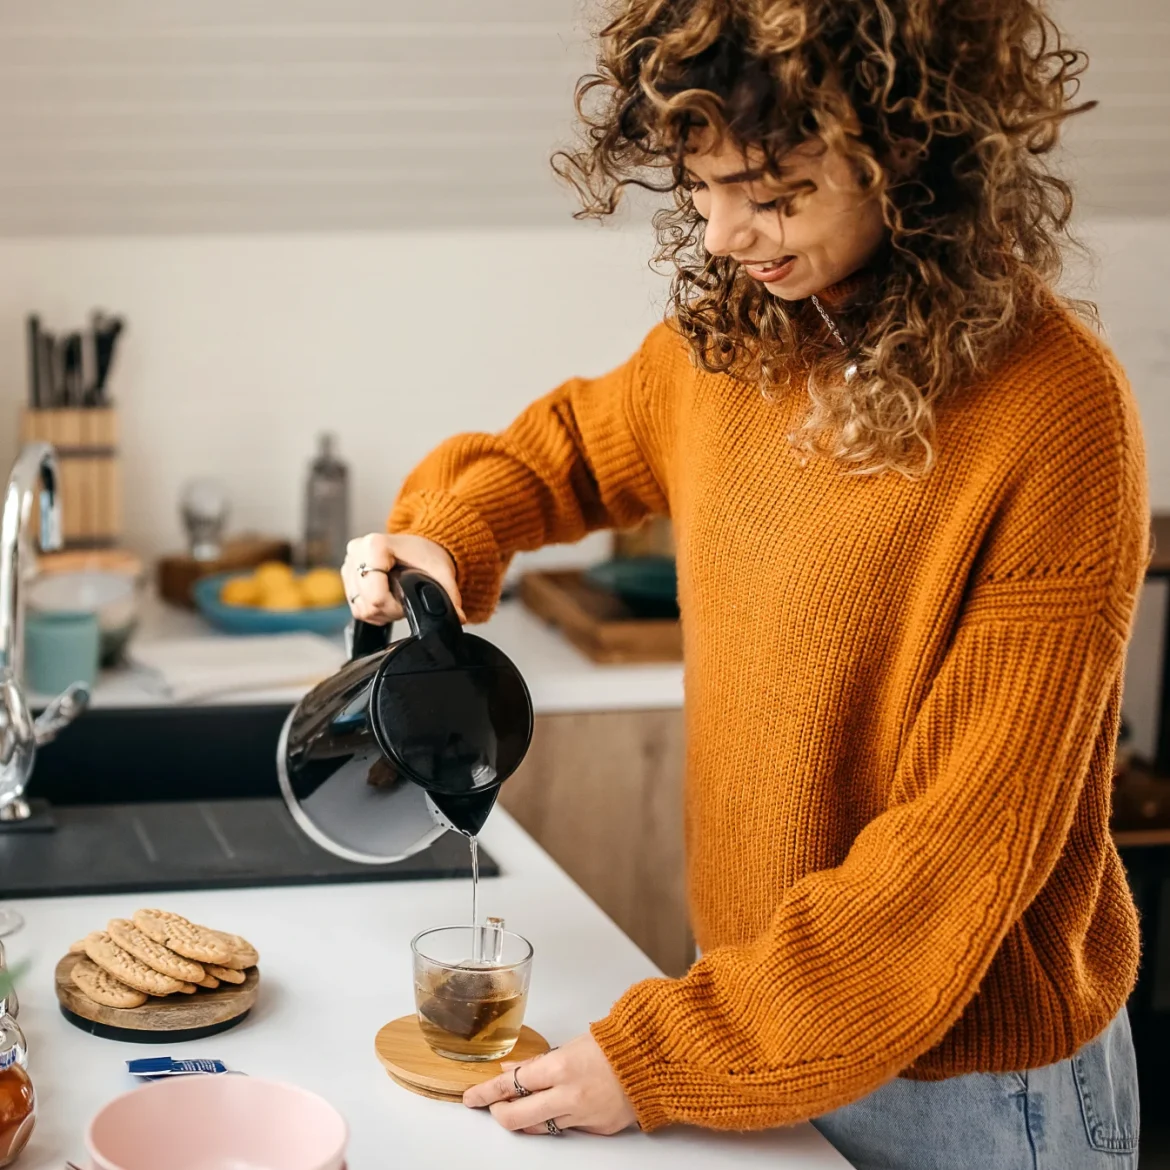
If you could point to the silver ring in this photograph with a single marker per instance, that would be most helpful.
(521, 1091)
(353, 598)
(553, 1128)
(363, 569)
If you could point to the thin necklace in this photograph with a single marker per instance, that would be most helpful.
(851, 368)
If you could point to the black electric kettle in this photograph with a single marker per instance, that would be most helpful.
(410, 738)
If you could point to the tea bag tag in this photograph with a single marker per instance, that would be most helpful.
(493, 943)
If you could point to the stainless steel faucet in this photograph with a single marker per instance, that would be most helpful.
(34, 474)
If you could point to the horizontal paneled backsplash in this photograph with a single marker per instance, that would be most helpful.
(274, 115)
(1119, 153)
(288, 115)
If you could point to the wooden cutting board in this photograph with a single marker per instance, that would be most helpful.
(158, 1021)
(408, 1059)
(597, 622)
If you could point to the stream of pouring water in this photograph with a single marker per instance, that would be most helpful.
(476, 933)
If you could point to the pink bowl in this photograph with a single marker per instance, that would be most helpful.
(217, 1123)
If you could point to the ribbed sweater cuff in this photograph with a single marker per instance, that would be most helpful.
(448, 521)
(637, 1067)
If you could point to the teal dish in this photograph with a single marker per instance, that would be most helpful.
(647, 585)
(246, 619)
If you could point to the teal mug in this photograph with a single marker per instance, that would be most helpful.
(60, 649)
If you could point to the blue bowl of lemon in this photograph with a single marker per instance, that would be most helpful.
(274, 599)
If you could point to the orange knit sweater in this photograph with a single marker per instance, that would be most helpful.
(902, 703)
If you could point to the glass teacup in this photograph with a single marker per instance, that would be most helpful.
(471, 1007)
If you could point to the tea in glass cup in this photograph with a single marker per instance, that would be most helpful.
(470, 989)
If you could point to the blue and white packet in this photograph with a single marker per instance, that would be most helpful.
(155, 1068)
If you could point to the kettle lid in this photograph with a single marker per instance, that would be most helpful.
(452, 711)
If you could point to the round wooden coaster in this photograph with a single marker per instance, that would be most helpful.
(408, 1059)
(157, 1020)
(453, 1097)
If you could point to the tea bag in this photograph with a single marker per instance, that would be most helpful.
(468, 1000)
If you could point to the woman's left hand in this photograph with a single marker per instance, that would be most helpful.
(572, 1086)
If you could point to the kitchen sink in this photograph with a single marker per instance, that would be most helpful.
(116, 756)
(180, 798)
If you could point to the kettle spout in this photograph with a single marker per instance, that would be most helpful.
(466, 813)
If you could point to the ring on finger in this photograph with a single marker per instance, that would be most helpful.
(353, 598)
(521, 1091)
(364, 570)
(553, 1128)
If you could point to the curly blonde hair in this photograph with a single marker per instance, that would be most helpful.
(947, 110)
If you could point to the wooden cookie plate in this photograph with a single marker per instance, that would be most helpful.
(158, 1021)
(408, 1059)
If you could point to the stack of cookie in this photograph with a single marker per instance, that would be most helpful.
(157, 953)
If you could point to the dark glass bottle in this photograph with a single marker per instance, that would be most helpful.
(326, 507)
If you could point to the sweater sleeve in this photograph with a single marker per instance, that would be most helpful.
(592, 454)
(865, 967)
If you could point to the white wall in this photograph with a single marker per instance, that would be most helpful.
(1132, 257)
(1129, 282)
(241, 348)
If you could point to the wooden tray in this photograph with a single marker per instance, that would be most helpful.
(408, 1059)
(599, 623)
(158, 1021)
(178, 573)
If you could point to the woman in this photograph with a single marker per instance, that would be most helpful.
(907, 488)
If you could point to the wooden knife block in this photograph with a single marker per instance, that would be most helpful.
(86, 441)
(178, 573)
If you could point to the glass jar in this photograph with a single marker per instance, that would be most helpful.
(17, 1101)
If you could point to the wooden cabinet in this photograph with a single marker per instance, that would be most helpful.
(602, 793)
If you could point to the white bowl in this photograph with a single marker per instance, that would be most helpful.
(113, 596)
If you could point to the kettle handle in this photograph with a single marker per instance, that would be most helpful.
(425, 602)
(367, 639)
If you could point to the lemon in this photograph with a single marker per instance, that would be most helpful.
(271, 574)
(240, 591)
(281, 596)
(322, 587)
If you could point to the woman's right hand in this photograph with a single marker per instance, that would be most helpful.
(369, 596)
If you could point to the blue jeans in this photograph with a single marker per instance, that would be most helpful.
(1080, 1114)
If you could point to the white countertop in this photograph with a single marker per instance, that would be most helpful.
(560, 678)
(335, 964)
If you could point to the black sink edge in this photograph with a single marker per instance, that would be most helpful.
(250, 882)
